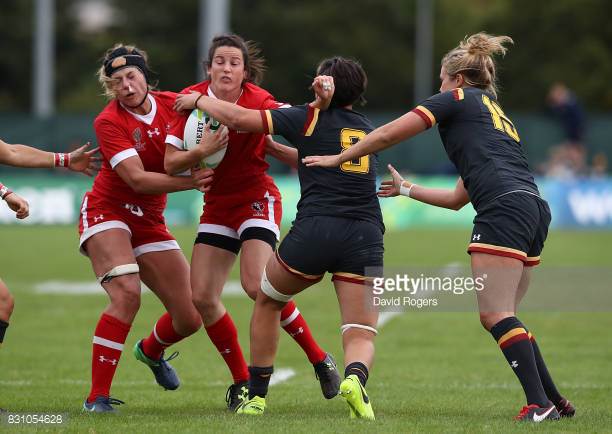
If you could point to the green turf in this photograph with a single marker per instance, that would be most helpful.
(434, 372)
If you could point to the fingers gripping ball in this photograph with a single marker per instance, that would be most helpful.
(194, 133)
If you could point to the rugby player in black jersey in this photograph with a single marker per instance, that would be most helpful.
(512, 219)
(338, 227)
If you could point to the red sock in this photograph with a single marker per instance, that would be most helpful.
(224, 335)
(162, 336)
(108, 341)
(294, 323)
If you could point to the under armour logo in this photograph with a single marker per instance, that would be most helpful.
(134, 209)
(225, 351)
(300, 330)
(103, 359)
(155, 132)
(98, 217)
(476, 237)
(514, 364)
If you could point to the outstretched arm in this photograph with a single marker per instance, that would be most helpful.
(233, 116)
(454, 199)
(15, 202)
(403, 128)
(80, 160)
(284, 154)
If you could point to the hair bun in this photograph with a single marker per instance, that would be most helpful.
(483, 44)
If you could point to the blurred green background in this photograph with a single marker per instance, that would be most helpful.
(566, 40)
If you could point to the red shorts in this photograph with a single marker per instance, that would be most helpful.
(231, 215)
(147, 229)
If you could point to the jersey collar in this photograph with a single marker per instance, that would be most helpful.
(149, 117)
(212, 95)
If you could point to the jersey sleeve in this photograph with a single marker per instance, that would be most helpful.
(177, 129)
(271, 103)
(290, 122)
(114, 145)
(440, 107)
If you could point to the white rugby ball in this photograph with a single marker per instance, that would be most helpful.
(194, 131)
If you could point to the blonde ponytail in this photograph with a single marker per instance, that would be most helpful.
(473, 59)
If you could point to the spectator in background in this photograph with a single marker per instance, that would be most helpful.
(599, 167)
(567, 159)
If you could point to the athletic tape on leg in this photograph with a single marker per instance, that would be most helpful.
(269, 290)
(345, 327)
(119, 270)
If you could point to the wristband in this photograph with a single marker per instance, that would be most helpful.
(61, 159)
(4, 191)
(195, 104)
(405, 191)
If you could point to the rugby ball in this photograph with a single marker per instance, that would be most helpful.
(194, 131)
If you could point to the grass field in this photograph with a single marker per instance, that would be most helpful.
(435, 372)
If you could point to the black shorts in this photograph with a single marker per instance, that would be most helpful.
(513, 225)
(234, 244)
(319, 244)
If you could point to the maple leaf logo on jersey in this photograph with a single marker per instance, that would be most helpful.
(258, 209)
(137, 136)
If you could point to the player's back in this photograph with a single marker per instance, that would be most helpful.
(347, 191)
(481, 141)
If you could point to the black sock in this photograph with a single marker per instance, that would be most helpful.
(514, 342)
(3, 326)
(358, 369)
(547, 381)
(259, 379)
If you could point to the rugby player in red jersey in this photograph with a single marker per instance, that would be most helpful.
(122, 226)
(242, 213)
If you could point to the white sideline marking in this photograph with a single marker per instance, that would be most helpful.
(65, 287)
(431, 386)
(123, 383)
(385, 317)
(233, 288)
(281, 375)
(15, 382)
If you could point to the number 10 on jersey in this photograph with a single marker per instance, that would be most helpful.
(348, 137)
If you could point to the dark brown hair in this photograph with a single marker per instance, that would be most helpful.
(254, 63)
(350, 80)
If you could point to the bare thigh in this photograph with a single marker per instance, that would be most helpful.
(166, 273)
(210, 267)
(501, 276)
(254, 256)
(107, 250)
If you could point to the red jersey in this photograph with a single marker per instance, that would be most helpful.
(244, 165)
(122, 134)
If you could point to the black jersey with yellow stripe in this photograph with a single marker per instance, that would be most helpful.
(347, 191)
(481, 141)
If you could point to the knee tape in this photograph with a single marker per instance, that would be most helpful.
(345, 327)
(119, 270)
(268, 289)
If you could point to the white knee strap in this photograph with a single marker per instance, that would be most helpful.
(268, 289)
(345, 327)
(119, 270)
